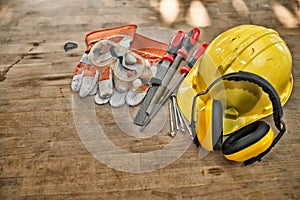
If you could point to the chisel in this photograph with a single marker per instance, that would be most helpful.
(174, 45)
(187, 45)
(182, 53)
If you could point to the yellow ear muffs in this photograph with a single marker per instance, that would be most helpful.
(210, 125)
(248, 142)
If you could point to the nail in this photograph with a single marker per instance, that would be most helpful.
(173, 98)
(180, 120)
(172, 132)
(186, 124)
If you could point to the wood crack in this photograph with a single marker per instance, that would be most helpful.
(5, 71)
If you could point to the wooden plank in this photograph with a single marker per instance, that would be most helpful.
(42, 154)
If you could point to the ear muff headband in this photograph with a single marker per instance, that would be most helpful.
(266, 87)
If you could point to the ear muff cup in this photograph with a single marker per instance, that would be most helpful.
(210, 126)
(217, 124)
(248, 142)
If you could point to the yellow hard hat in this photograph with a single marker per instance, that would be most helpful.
(247, 48)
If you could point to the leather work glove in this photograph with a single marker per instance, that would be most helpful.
(117, 66)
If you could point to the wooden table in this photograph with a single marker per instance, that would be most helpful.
(42, 156)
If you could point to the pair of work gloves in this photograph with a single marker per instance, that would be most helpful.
(117, 66)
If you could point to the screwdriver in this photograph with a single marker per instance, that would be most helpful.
(184, 71)
(182, 53)
(196, 55)
(156, 81)
(157, 107)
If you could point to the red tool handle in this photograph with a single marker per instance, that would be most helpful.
(189, 42)
(196, 55)
(174, 45)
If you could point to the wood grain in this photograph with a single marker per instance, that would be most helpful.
(41, 153)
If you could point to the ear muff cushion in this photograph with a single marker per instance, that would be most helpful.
(245, 137)
(217, 124)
